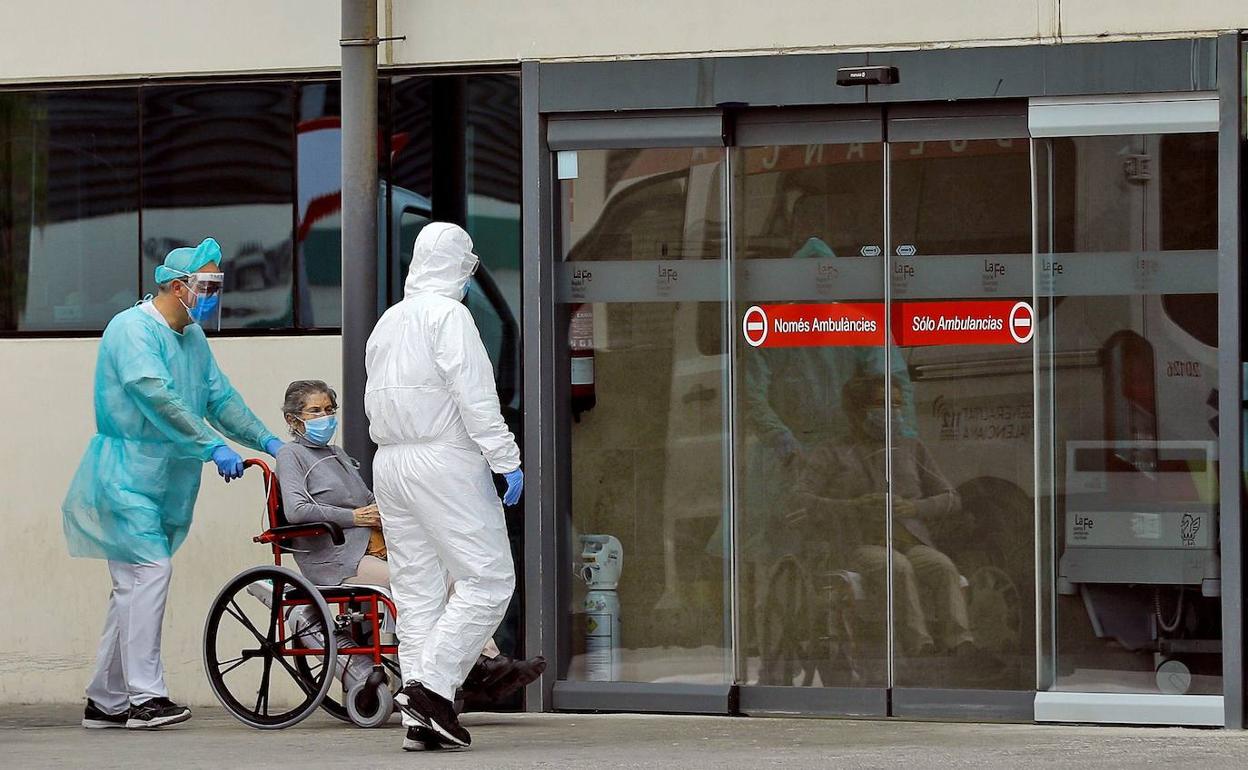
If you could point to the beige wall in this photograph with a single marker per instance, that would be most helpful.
(88, 38)
(85, 39)
(54, 604)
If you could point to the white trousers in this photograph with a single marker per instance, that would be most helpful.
(128, 669)
(353, 669)
(451, 573)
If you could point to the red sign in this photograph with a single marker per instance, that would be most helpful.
(987, 322)
(810, 326)
(915, 324)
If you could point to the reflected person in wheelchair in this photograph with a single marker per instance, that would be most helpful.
(840, 486)
(320, 482)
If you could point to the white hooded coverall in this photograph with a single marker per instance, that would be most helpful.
(434, 414)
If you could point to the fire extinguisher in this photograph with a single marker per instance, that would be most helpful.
(581, 353)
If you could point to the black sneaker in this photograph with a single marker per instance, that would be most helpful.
(420, 738)
(96, 718)
(157, 712)
(493, 679)
(432, 711)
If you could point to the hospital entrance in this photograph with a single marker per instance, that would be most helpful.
(903, 410)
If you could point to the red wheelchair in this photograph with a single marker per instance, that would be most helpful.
(265, 643)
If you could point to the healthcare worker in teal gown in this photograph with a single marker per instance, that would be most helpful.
(162, 409)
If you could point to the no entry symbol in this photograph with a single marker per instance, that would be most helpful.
(754, 326)
(1022, 322)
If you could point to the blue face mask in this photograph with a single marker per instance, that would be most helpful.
(320, 431)
(205, 308)
(875, 422)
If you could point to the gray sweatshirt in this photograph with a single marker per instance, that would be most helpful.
(323, 484)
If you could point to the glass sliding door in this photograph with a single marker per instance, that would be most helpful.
(961, 535)
(809, 294)
(883, 426)
(642, 285)
(903, 410)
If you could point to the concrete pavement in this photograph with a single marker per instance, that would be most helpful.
(48, 736)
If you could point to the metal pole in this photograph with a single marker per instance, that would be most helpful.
(359, 217)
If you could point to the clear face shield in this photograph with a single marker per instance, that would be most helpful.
(204, 306)
(476, 263)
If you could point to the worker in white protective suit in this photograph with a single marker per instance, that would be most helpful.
(434, 414)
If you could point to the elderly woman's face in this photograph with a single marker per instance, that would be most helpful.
(316, 405)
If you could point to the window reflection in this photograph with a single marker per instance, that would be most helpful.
(69, 224)
(648, 441)
(1130, 233)
(318, 229)
(963, 507)
(807, 504)
(218, 160)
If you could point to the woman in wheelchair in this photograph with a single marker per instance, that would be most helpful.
(320, 482)
(842, 483)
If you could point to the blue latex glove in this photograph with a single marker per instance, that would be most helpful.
(229, 464)
(515, 485)
(272, 445)
(788, 445)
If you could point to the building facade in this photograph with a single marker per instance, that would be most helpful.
(864, 364)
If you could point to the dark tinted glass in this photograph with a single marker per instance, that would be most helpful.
(492, 147)
(411, 168)
(318, 226)
(218, 160)
(69, 225)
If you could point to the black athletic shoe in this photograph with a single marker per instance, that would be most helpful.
(421, 739)
(493, 679)
(157, 712)
(96, 718)
(433, 711)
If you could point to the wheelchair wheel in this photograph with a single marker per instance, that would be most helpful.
(247, 653)
(787, 626)
(331, 704)
(370, 705)
(310, 671)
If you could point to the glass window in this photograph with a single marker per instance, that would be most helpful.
(69, 201)
(218, 160)
(490, 137)
(961, 196)
(641, 238)
(1131, 373)
(492, 145)
(318, 227)
(411, 169)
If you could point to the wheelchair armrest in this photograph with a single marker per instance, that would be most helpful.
(291, 531)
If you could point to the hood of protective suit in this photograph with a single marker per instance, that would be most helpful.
(442, 262)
